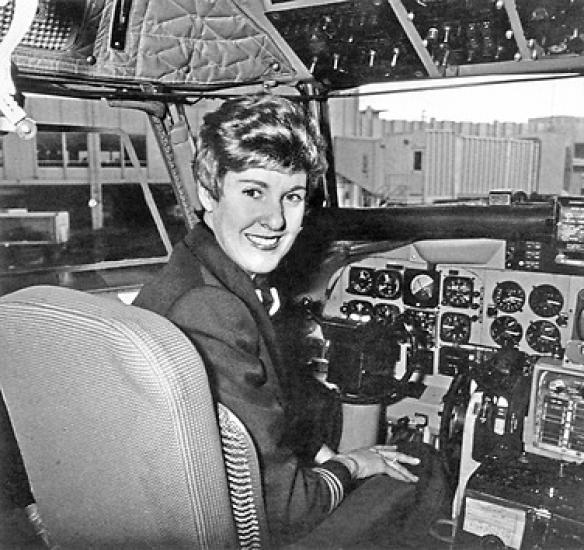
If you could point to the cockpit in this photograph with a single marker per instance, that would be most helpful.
(441, 296)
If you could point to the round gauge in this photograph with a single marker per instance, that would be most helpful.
(421, 288)
(359, 310)
(546, 300)
(506, 331)
(387, 284)
(455, 328)
(360, 280)
(509, 296)
(543, 336)
(385, 313)
(457, 291)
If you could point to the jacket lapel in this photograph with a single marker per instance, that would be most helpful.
(202, 244)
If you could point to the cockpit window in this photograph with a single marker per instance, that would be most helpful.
(50, 149)
(441, 144)
(113, 154)
(72, 200)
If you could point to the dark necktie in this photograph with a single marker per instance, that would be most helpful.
(266, 295)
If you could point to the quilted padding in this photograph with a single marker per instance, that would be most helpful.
(193, 44)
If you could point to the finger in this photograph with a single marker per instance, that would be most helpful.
(406, 478)
(383, 448)
(407, 459)
(396, 470)
(400, 457)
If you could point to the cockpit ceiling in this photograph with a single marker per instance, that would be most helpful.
(346, 43)
(189, 46)
(137, 45)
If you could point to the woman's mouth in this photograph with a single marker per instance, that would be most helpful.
(263, 242)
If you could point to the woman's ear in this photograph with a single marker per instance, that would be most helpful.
(207, 201)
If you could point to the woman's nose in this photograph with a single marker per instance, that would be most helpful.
(273, 216)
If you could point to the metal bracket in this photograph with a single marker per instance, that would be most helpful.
(177, 148)
(414, 37)
(120, 24)
(14, 117)
(517, 29)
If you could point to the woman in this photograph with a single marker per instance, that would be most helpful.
(257, 160)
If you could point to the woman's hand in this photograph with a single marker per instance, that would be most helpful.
(379, 459)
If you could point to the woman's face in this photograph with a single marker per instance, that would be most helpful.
(257, 217)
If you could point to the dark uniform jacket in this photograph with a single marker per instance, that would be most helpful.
(214, 302)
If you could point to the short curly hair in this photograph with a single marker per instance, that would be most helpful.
(261, 131)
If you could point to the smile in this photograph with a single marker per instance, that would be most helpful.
(264, 243)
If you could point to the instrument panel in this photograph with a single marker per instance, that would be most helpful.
(556, 423)
(461, 308)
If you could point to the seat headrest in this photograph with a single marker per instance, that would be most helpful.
(113, 414)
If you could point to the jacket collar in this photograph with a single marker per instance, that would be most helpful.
(203, 245)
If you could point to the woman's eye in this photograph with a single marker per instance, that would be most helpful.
(253, 193)
(295, 197)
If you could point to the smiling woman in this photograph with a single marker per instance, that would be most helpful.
(257, 160)
(258, 216)
(258, 157)
(429, 252)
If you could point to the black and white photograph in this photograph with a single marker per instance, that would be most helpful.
(291, 274)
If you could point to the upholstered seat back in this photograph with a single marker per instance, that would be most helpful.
(113, 414)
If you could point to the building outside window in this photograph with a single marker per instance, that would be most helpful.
(139, 143)
(110, 150)
(49, 147)
(58, 149)
(417, 160)
(113, 154)
(76, 147)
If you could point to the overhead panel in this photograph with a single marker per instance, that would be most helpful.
(345, 43)
(190, 46)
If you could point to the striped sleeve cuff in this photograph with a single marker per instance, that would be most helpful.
(338, 479)
(335, 487)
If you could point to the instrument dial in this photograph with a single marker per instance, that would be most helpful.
(546, 300)
(385, 313)
(361, 280)
(421, 288)
(360, 310)
(388, 284)
(543, 336)
(506, 331)
(509, 297)
(455, 328)
(457, 291)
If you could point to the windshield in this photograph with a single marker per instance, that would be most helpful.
(423, 146)
(72, 200)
